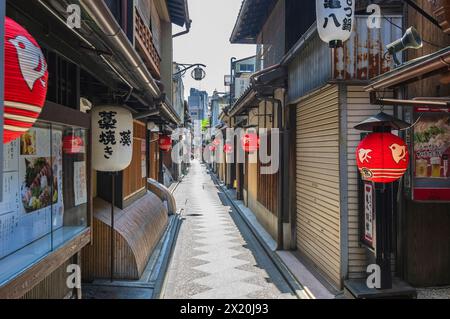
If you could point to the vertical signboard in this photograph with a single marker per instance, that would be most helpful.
(369, 218)
(431, 180)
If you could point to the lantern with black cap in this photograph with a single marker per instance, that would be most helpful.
(382, 159)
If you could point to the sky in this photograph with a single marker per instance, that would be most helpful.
(208, 42)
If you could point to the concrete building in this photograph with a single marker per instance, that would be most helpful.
(198, 104)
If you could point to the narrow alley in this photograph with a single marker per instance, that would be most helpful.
(216, 255)
(171, 150)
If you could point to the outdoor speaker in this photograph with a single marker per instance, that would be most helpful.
(410, 40)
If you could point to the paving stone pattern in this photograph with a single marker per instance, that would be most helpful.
(216, 256)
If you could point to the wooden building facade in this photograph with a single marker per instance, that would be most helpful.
(323, 98)
(87, 69)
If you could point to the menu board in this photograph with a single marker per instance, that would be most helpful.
(80, 183)
(143, 159)
(32, 193)
(431, 154)
(369, 215)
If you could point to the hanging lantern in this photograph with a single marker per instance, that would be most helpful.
(335, 20)
(165, 143)
(250, 142)
(26, 80)
(73, 144)
(382, 157)
(216, 142)
(112, 138)
(228, 148)
(198, 74)
(212, 148)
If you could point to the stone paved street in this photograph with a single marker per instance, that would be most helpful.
(216, 255)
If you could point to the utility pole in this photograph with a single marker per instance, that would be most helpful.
(232, 82)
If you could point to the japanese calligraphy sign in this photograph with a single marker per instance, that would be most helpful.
(369, 233)
(335, 20)
(112, 138)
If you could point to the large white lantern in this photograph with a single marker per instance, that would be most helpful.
(335, 20)
(112, 138)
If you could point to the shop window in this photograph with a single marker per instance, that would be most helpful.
(44, 196)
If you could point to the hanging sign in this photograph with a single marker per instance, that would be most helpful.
(335, 20)
(382, 157)
(26, 81)
(369, 220)
(431, 154)
(112, 138)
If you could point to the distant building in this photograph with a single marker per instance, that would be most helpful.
(218, 103)
(198, 104)
(239, 80)
(242, 71)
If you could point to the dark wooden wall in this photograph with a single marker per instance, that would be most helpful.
(427, 244)
(132, 176)
(433, 40)
(425, 227)
(267, 184)
(153, 156)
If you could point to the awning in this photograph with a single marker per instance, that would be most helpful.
(250, 20)
(412, 71)
(178, 11)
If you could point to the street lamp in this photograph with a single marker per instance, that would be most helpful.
(197, 74)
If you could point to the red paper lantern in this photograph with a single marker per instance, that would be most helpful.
(382, 157)
(72, 144)
(228, 148)
(165, 143)
(26, 80)
(250, 142)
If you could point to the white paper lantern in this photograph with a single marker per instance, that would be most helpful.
(112, 138)
(335, 20)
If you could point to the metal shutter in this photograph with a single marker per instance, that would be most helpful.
(318, 194)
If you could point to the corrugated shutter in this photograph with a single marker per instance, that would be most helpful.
(318, 194)
(358, 109)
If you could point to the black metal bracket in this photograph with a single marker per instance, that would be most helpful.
(186, 67)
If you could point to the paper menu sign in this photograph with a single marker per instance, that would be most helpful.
(431, 154)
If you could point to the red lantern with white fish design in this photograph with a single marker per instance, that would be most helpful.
(72, 144)
(26, 80)
(250, 142)
(382, 157)
(228, 148)
(165, 143)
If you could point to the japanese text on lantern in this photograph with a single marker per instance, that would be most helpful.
(107, 124)
(346, 22)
